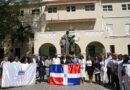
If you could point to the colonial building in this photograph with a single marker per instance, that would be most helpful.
(100, 26)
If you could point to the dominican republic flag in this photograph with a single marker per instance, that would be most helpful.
(65, 74)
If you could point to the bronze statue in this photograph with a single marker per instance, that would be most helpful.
(67, 44)
(72, 44)
(62, 45)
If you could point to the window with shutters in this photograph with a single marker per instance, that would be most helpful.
(107, 8)
(70, 8)
(52, 10)
(35, 11)
(89, 7)
(125, 6)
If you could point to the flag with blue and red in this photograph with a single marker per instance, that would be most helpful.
(65, 74)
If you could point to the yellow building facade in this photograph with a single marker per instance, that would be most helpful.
(100, 26)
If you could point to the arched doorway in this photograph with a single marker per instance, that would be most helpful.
(77, 50)
(95, 49)
(47, 49)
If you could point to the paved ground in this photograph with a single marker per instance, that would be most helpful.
(45, 86)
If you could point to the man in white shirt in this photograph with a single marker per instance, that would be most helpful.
(16, 60)
(107, 68)
(5, 60)
(115, 80)
(47, 64)
(56, 60)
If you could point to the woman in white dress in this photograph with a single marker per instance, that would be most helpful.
(82, 70)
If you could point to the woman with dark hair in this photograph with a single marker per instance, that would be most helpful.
(63, 59)
(125, 62)
(68, 59)
(90, 68)
(26, 60)
(97, 70)
(125, 59)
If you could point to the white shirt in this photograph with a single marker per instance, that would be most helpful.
(16, 62)
(89, 63)
(56, 61)
(17, 67)
(102, 63)
(83, 63)
(47, 62)
(43, 63)
(34, 60)
(108, 62)
(64, 60)
(1, 65)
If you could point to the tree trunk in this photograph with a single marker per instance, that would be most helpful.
(8, 46)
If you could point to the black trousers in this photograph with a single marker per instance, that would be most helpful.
(41, 75)
(98, 78)
(1, 70)
(115, 81)
(109, 75)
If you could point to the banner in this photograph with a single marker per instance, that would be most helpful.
(17, 74)
(65, 74)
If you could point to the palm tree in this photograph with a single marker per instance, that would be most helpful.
(23, 35)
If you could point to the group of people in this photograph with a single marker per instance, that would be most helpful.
(109, 70)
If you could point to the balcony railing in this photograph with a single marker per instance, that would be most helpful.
(51, 2)
(70, 20)
(78, 34)
(57, 34)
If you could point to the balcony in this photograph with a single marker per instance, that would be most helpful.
(95, 33)
(70, 20)
(59, 34)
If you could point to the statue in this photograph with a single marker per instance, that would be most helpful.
(67, 43)
(72, 44)
(62, 45)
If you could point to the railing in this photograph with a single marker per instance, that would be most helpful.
(58, 34)
(95, 33)
(66, 1)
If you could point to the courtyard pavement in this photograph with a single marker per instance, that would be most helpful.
(46, 86)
